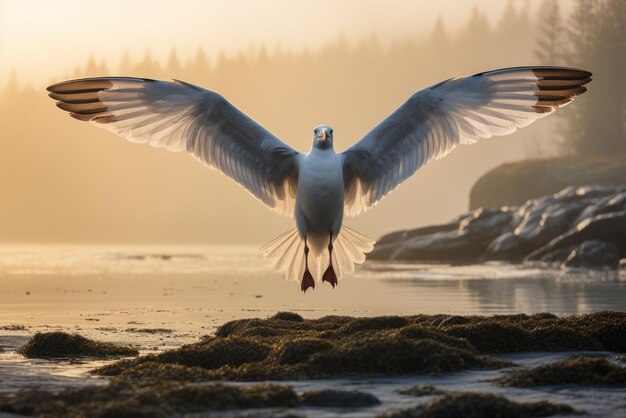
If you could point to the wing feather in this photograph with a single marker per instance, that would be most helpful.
(433, 121)
(179, 116)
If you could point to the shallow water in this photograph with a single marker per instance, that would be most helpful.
(162, 297)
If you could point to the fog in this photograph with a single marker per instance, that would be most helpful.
(65, 181)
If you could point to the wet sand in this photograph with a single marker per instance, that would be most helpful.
(158, 299)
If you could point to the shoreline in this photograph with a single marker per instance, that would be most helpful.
(375, 391)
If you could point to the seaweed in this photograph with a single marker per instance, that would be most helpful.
(421, 390)
(492, 336)
(574, 370)
(393, 355)
(209, 354)
(61, 344)
(161, 399)
(338, 399)
(164, 398)
(299, 350)
(288, 347)
(480, 405)
(288, 316)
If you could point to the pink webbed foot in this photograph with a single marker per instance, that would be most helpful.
(330, 276)
(307, 281)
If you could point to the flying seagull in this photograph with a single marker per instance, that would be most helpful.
(318, 188)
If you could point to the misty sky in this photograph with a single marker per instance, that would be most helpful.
(76, 183)
(43, 39)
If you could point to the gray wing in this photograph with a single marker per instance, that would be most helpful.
(458, 111)
(180, 116)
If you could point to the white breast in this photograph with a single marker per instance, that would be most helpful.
(320, 192)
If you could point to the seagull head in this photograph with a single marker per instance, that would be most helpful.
(323, 137)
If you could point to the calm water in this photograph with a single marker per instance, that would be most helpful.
(235, 279)
(121, 294)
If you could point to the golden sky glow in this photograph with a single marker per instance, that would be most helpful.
(64, 181)
(41, 39)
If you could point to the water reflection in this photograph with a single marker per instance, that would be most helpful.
(492, 288)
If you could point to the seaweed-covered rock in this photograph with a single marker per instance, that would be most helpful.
(607, 327)
(150, 372)
(416, 332)
(576, 370)
(480, 405)
(391, 345)
(559, 338)
(492, 336)
(299, 351)
(161, 399)
(13, 327)
(593, 254)
(387, 355)
(288, 316)
(329, 398)
(421, 390)
(537, 333)
(372, 324)
(209, 354)
(62, 344)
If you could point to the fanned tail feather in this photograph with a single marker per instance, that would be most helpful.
(349, 249)
(286, 252)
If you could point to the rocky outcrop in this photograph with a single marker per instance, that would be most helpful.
(593, 254)
(512, 184)
(578, 227)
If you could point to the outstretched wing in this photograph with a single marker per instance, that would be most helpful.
(458, 111)
(180, 116)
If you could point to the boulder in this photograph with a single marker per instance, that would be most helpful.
(610, 227)
(546, 229)
(607, 204)
(517, 182)
(507, 246)
(466, 242)
(557, 256)
(541, 225)
(593, 254)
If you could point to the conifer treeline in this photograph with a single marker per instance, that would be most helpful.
(593, 37)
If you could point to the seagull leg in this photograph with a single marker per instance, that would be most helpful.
(307, 279)
(329, 275)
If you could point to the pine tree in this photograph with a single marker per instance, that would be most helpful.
(597, 124)
(549, 50)
(173, 67)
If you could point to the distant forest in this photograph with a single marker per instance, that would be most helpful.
(66, 181)
(593, 37)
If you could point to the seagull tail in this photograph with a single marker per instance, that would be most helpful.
(286, 253)
(349, 249)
